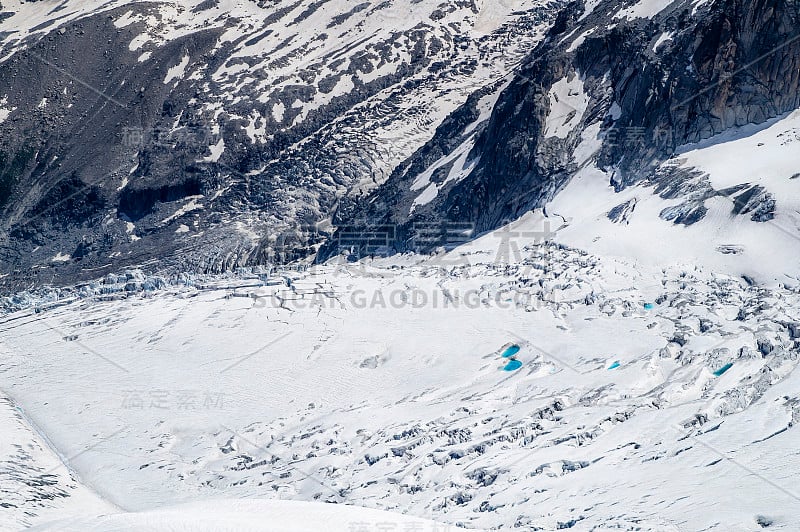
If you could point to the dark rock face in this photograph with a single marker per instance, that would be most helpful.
(737, 65)
(63, 150)
(184, 136)
(651, 84)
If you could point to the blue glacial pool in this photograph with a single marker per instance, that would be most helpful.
(510, 351)
(723, 369)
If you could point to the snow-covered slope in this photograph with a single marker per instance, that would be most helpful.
(250, 515)
(649, 398)
(34, 482)
(743, 186)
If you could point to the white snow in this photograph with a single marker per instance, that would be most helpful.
(459, 170)
(376, 384)
(278, 111)
(493, 13)
(139, 41)
(252, 515)
(216, 151)
(254, 131)
(5, 111)
(697, 4)
(664, 37)
(579, 39)
(177, 71)
(568, 103)
(615, 112)
(130, 227)
(589, 6)
(427, 195)
(126, 20)
(192, 204)
(589, 145)
(33, 478)
(766, 156)
(643, 9)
